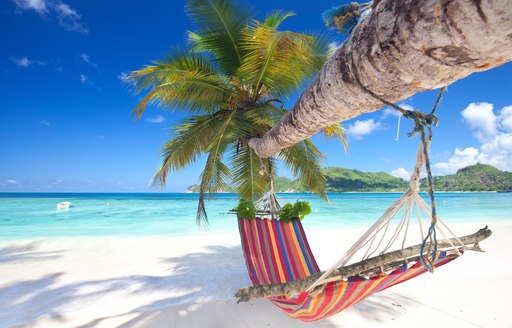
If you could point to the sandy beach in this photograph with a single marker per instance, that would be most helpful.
(189, 281)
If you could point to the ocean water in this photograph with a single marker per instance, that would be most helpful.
(34, 215)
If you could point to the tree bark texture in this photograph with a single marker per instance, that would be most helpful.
(373, 265)
(401, 48)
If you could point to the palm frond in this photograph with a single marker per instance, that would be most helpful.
(276, 17)
(215, 177)
(216, 174)
(260, 118)
(250, 173)
(303, 160)
(191, 137)
(337, 132)
(219, 26)
(195, 41)
(183, 80)
(321, 46)
(177, 61)
(277, 63)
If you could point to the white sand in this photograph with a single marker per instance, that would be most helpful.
(190, 281)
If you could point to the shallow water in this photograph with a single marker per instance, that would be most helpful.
(34, 215)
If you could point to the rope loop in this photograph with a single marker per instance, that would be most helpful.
(421, 121)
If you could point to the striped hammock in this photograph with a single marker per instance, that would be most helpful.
(278, 252)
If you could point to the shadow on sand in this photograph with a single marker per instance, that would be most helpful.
(202, 285)
(26, 253)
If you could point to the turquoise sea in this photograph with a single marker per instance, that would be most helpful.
(34, 215)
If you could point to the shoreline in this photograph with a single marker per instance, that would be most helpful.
(4, 193)
(219, 234)
(213, 234)
(187, 281)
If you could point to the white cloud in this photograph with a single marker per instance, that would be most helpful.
(67, 17)
(481, 118)
(157, 119)
(85, 57)
(388, 111)
(12, 182)
(359, 129)
(85, 79)
(460, 159)
(39, 6)
(401, 173)
(495, 137)
(45, 123)
(25, 62)
(506, 118)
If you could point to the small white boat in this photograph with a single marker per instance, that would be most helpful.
(64, 205)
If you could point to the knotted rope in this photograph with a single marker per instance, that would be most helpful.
(268, 203)
(421, 121)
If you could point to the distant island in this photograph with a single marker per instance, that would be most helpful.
(478, 177)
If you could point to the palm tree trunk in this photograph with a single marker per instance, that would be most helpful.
(386, 261)
(403, 47)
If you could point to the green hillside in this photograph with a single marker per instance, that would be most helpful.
(478, 177)
(195, 188)
(344, 180)
(283, 184)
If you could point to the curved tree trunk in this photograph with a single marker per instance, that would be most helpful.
(401, 48)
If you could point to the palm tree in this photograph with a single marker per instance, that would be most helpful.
(233, 79)
(402, 48)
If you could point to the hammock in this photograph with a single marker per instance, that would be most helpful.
(278, 253)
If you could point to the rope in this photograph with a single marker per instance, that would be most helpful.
(269, 200)
(388, 215)
(398, 128)
(431, 233)
(421, 121)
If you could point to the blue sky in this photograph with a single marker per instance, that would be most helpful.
(65, 114)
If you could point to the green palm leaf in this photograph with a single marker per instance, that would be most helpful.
(303, 160)
(215, 177)
(250, 174)
(220, 24)
(277, 63)
(276, 17)
(185, 81)
(216, 174)
(191, 138)
(337, 132)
